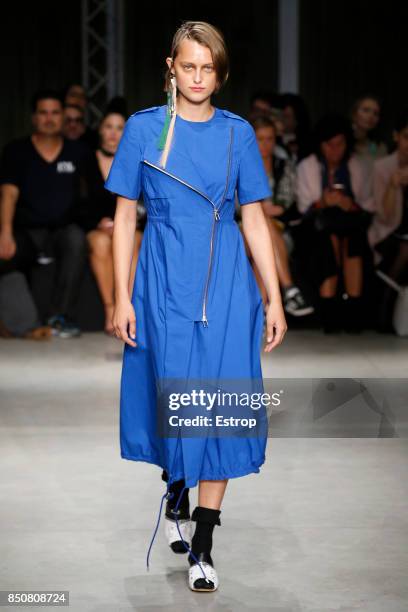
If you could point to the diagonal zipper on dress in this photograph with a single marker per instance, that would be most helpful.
(216, 215)
(179, 179)
(215, 218)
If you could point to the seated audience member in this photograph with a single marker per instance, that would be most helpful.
(365, 119)
(296, 121)
(388, 234)
(75, 95)
(262, 101)
(74, 122)
(336, 203)
(97, 216)
(282, 179)
(41, 175)
(265, 103)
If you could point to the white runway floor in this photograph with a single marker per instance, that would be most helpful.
(323, 527)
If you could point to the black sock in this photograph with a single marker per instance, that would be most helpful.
(206, 519)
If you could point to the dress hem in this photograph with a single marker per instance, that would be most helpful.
(244, 471)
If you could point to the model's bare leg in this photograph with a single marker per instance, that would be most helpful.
(101, 261)
(211, 493)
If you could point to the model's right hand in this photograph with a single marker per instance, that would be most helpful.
(7, 245)
(124, 316)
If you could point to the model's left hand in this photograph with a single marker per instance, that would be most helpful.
(275, 326)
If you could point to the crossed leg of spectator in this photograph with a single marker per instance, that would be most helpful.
(338, 313)
(395, 265)
(101, 261)
(298, 305)
(351, 267)
(398, 269)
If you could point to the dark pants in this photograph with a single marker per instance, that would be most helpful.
(67, 245)
(316, 248)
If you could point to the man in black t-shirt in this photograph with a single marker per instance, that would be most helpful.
(42, 181)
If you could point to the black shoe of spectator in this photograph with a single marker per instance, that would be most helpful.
(330, 314)
(63, 327)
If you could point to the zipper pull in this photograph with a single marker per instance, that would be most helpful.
(204, 321)
(216, 214)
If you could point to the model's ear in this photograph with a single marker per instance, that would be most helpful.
(169, 62)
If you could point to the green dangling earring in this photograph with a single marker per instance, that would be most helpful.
(169, 113)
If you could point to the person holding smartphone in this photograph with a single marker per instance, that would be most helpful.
(336, 203)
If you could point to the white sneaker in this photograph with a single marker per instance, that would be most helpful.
(196, 580)
(173, 535)
(295, 303)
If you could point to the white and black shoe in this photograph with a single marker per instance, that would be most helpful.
(196, 571)
(295, 304)
(172, 533)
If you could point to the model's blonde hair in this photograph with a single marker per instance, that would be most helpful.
(205, 34)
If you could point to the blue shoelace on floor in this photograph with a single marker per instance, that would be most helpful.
(169, 495)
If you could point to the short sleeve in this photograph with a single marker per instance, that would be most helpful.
(10, 165)
(124, 177)
(252, 181)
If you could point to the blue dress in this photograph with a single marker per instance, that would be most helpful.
(199, 312)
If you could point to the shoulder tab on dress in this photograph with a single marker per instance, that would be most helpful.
(145, 110)
(228, 113)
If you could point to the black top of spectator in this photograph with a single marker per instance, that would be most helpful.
(49, 192)
(45, 94)
(328, 127)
